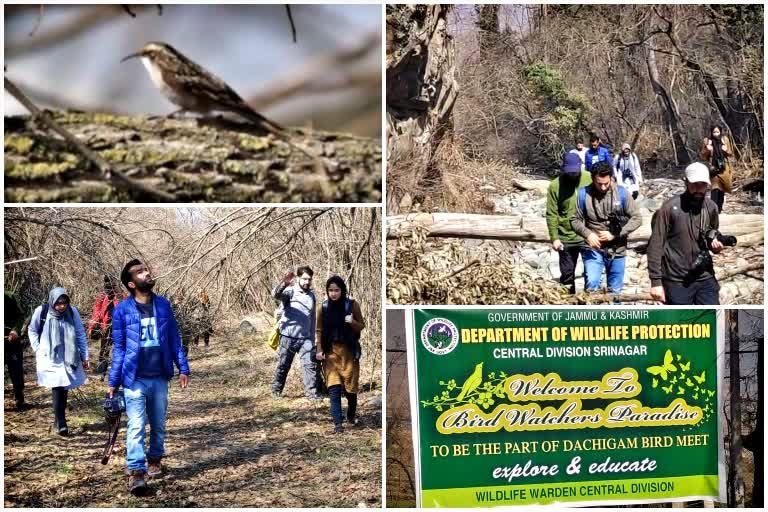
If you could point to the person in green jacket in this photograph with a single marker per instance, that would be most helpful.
(561, 203)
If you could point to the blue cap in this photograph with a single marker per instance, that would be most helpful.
(571, 164)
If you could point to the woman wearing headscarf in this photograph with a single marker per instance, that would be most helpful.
(716, 150)
(339, 322)
(57, 336)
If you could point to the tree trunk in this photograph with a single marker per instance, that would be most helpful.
(190, 159)
(530, 228)
(669, 110)
(488, 29)
(734, 478)
(421, 92)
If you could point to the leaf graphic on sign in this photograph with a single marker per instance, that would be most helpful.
(664, 369)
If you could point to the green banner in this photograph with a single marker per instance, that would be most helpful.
(522, 407)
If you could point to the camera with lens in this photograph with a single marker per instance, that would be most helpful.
(703, 261)
(713, 234)
(115, 405)
(616, 221)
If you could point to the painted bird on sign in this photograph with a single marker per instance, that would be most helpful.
(472, 382)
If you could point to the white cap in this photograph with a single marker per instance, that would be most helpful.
(697, 172)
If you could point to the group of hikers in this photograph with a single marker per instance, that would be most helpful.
(148, 348)
(592, 209)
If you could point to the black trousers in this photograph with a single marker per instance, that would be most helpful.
(59, 396)
(569, 256)
(718, 196)
(699, 293)
(14, 361)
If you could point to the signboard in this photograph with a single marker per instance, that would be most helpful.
(588, 407)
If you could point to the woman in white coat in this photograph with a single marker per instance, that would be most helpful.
(57, 336)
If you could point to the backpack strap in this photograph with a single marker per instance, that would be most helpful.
(43, 317)
(581, 201)
(347, 306)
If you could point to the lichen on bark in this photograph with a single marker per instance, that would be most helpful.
(209, 160)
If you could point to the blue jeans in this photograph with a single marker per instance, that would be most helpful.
(146, 400)
(595, 262)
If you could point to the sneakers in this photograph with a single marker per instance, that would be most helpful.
(137, 484)
(154, 468)
(338, 428)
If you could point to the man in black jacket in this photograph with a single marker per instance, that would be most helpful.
(676, 243)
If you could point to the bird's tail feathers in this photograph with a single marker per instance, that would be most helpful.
(260, 120)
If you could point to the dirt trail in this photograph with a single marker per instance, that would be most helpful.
(228, 443)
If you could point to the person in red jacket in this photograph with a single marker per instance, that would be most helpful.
(100, 325)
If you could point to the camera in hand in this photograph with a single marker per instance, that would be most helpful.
(616, 222)
(115, 405)
(703, 261)
(726, 240)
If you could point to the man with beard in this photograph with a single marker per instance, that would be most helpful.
(605, 215)
(596, 153)
(297, 331)
(147, 344)
(561, 203)
(675, 244)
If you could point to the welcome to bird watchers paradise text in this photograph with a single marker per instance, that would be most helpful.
(580, 406)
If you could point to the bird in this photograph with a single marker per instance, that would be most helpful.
(472, 382)
(193, 88)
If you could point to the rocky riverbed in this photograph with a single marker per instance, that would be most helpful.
(539, 260)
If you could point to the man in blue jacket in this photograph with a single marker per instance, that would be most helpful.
(147, 344)
(596, 153)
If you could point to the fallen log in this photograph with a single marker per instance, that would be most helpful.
(528, 228)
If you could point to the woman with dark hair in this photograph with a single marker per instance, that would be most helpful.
(57, 336)
(339, 322)
(716, 151)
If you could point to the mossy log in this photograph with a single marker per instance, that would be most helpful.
(194, 160)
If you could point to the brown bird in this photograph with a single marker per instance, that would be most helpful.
(193, 88)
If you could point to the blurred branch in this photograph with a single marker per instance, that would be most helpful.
(89, 18)
(305, 77)
(290, 20)
(39, 20)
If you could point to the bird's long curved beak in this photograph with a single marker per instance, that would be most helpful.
(133, 55)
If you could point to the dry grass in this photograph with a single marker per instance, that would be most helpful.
(228, 444)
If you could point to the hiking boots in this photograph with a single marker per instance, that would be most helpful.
(137, 484)
(154, 468)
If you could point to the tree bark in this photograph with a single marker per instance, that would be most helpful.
(421, 92)
(210, 160)
(671, 115)
(529, 228)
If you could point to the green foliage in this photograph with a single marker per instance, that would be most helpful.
(566, 108)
